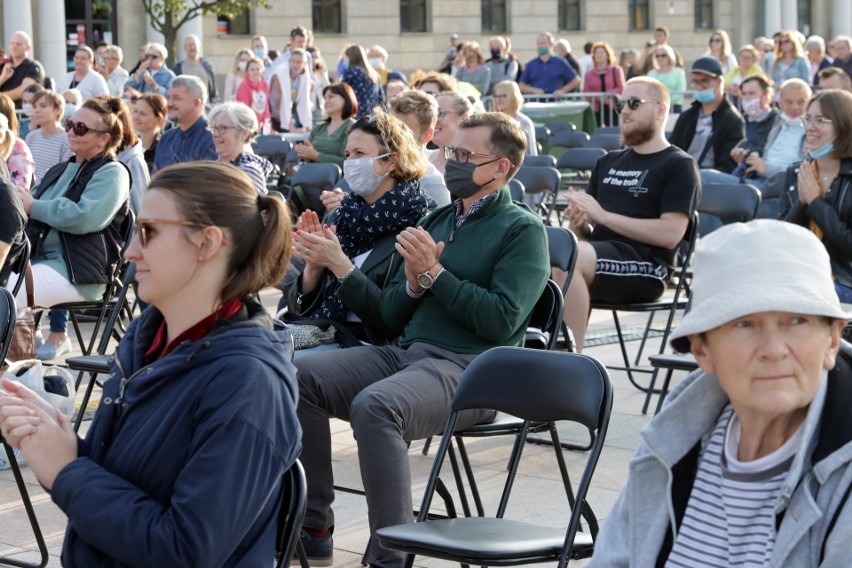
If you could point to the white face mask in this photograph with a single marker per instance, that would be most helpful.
(242, 65)
(375, 62)
(751, 107)
(27, 108)
(790, 121)
(361, 176)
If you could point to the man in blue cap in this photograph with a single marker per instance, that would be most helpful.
(711, 127)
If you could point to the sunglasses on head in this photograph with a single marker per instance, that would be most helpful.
(633, 103)
(145, 230)
(80, 128)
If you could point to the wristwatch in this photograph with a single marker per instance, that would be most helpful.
(426, 280)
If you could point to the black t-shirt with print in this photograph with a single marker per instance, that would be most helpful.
(12, 223)
(27, 69)
(644, 186)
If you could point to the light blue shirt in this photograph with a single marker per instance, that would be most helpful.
(787, 147)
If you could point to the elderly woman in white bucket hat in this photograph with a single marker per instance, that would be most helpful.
(750, 461)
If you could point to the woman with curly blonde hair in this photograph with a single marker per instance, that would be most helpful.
(383, 165)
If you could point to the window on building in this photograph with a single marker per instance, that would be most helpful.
(805, 16)
(704, 15)
(569, 15)
(238, 25)
(412, 16)
(88, 22)
(494, 16)
(327, 18)
(639, 12)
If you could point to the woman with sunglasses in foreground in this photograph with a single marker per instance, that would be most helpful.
(183, 463)
(383, 165)
(75, 218)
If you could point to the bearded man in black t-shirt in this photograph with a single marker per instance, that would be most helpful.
(18, 72)
(634, 213)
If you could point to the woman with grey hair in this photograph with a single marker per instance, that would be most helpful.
(749, 463)
(508, 100)
(233, 126)
(152, 75)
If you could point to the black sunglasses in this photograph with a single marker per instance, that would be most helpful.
(632, 102)
(145, 230)
(80, 128)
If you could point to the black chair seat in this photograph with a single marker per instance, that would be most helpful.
(654, 306)
(483, 540)
(674, 361)
(89, 363)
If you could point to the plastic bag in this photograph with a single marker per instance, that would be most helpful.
(54, 384)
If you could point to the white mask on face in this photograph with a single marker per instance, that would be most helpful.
(751, 107)
(242, 65)
(361, 176)
(27, 108)
(375, 62)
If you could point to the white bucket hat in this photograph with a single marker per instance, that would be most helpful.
(761, 266)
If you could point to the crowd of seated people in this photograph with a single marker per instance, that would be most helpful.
(411, 267)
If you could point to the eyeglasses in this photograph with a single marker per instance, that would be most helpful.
(500, 96)
(715, 40)
(704, 83)
(632, 102)
(463, 156)
(80, 128)
(145, 230)
(220, 130)
(442, 113)
(152, 56)
(661, 55)
(818, 121)
(785, 40)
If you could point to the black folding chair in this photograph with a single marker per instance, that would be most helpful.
(671, 362)
(569, 139)
(21, 267)
(557, 127)
(294, 502)
(554, 386)
(516, 189)
(98, 363)
(7, 326)
(309, 182)
(575, 165)
(542, 138)
(541, 161)
(608, 130)
(273, 148)
(605, 140)
(770, 196)
(542, 182)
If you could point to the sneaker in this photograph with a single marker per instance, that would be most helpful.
(319, 550)
(46, 351)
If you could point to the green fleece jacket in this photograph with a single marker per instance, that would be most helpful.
(496, 268)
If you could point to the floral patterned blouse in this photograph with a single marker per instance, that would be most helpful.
(368, 93)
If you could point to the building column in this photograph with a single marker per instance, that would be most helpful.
(789, 15)
(17, 17)
(841, 15)
(772, 17)
(51, 37)
(193, 26)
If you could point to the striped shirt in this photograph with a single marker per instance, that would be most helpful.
(48, 150)
(730, 518)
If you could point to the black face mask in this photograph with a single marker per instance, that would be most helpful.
(459, 178)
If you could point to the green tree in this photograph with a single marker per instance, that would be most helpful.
(169, 16)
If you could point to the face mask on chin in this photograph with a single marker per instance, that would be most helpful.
(361, 176)
(823, 151)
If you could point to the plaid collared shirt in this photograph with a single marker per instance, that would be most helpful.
(474, 207)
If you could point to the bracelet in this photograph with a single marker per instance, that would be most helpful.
(340, 279)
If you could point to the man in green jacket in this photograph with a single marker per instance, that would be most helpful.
(472, 272)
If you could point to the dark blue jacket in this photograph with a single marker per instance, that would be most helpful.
(185, 468)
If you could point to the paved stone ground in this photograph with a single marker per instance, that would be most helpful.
(538, 495)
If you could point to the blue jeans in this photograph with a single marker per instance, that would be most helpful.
(843, 292)
(58, 321)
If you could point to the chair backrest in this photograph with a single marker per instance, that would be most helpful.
(773, 185)
(542, 135)
(735, 201)
(582, 159)
(21, 266)
(547, 315)
(562, 249)
(7, 322)
(516, 189)
(541, 161)
(569, 139)
(539, 179)
(272, 147)
(557, 127)
(607, 141)
(294, 501)
(321, 176)
(608, 130)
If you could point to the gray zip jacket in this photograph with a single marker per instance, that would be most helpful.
(813, 514)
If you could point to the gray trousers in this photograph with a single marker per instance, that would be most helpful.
(390, 396)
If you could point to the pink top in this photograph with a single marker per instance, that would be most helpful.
(613, 82)
(255, 95)
(21, 165)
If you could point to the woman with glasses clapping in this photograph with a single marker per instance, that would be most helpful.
(76, 215)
